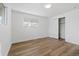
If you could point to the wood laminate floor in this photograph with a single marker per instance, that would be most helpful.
(44, 47)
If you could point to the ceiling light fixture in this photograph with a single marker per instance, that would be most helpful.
(48, 6)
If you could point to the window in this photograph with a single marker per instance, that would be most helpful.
(2, 14)
(30, 22)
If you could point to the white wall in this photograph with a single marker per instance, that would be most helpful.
(0, 49)
(21, 33)
(71, 26)
(53, 28)
(5, 34)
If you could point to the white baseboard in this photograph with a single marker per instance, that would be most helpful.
(27, 39)
(8, 49)
(73, 42)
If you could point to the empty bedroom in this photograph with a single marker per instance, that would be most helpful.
(39, 29)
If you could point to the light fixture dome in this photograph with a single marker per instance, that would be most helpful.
(48, 6)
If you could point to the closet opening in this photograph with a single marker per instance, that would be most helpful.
(61, 28)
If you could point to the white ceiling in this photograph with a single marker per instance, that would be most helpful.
(39, 9)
